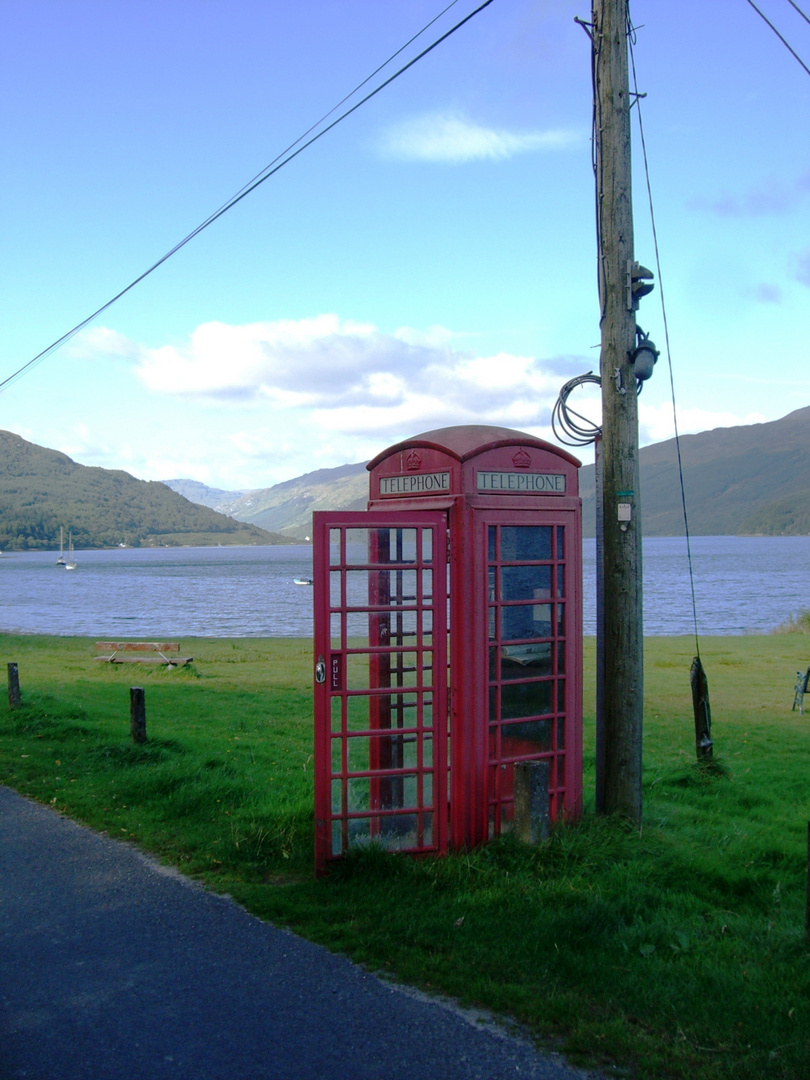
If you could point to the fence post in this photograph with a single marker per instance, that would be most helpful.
(13, 687)
(137, 714)
(531, 821)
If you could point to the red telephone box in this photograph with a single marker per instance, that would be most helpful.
(448, 642)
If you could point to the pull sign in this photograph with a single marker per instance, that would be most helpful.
(337, 672)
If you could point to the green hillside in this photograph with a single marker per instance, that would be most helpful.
(751, 480)
(287, 507)
(41, 490)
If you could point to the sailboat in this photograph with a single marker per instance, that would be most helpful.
(61, 560)
(71, 562)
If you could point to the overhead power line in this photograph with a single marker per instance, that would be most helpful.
(784, 41)
(796, 7)
(284, 158)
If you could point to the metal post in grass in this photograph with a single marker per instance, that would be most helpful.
(137, 714)
(13, 687)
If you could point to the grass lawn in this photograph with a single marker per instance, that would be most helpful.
(678, 950)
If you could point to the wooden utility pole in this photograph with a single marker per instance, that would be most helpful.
(619, 758)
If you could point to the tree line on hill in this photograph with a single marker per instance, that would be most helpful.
(41, 490)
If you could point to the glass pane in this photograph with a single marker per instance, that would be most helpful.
(337, 756)
(525, 699)
(522, 622)
(357, 673)
(359, 587)
(357, 714)
(335, 624)
(403, 625)
(401, 668)
(525, 661)
(427, 713)
(357, 794)
(409, 791)
(561, 696)
(561, 620)
(396, 545)
(427, 789)
(427, 586)
(532, 737)
(357, 545)
(525, 582)
(389, 751)
(561, 733)
(491, 543)
(334, 547)
(523, 542)
(561, 581)
(357, 754)
(561, 658)
(356, 629)
(401, 832)
(337, 796)
(427, 545)
(337, 713)
(337, 838)
(335, 578)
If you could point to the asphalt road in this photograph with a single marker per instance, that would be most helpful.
(113, 968)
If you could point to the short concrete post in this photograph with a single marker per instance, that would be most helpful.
(532, 821)
(13, 687)
(137, 714)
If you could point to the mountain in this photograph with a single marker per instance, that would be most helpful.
(751, 480)
(202, 494)
(287, 507)
(41, 490)
(747, 480)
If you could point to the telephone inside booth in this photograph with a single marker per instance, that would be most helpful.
(448, 643)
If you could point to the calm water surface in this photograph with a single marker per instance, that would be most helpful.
(743, 585)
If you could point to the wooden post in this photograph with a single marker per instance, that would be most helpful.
(13, 687)
(621, 524)
(532, 821)
(137, 714)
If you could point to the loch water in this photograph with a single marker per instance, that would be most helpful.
(743, 585)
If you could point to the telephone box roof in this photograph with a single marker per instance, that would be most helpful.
(468, 440)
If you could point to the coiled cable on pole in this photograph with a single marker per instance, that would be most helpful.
(569, 426)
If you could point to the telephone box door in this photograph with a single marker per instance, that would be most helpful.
(380, 585)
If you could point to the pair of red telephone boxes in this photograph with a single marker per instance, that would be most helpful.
(448, 643)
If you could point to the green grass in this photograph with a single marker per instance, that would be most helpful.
(678, 950)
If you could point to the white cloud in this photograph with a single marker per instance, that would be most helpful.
(323, 387)
(656, 421)
(450, 137)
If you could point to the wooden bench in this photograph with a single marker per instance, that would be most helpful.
(141, 652)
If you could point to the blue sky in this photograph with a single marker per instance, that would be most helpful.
(431, 261)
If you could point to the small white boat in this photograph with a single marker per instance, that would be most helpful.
(71, 562)
(302, 581)
(61, 560)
